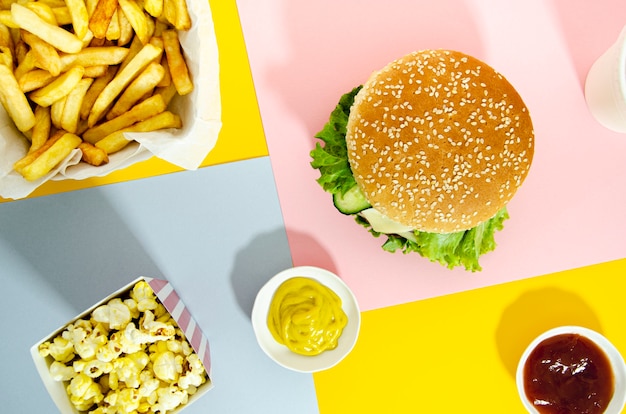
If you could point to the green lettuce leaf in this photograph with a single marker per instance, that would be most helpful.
(450, 250)
(332, 158)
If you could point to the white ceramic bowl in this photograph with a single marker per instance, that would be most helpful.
(280, 353)
(615, 358)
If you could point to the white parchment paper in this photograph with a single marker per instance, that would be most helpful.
(200, 112)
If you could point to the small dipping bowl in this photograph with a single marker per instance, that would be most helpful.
(279, 352)
(615, 359)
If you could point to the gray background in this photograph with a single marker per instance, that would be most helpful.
(216, 234)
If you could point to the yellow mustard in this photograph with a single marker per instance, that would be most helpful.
(306, 316)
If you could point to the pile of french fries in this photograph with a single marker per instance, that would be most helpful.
(78, 74)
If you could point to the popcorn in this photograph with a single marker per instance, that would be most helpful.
(149, 385)
(60, 349)
(115, 313)
(125, 342)
(194, 376)
(168, 366)
(127, 356)
(84, 392)
(158, 328)
(126, 400)
(128, 370)
(93, 368)
(143, 295)
(61, 372)
(86, 338)
(109, 352)
(135, 313)
(169, 398)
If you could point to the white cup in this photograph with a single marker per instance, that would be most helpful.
(605, 86)
(616, 361)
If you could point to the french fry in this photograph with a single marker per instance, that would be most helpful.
(7, 46)
(43, 10)
(143, 110)
(176, 62)
(44, 53)
(113, 143)
(56, 112)
(34, 79)
(113, 31)
(116, 141)
(32, 156)
(167, 92)
(52, 3)
(176, 12)
(95, 71)
(6, 57)
(153, 7)
(143, 83)
(62, 15)
(146, 55)
(14, 101)
(134, 48)
(26, 63)
(55, 35)
(159, 26)
(58, 88)
(160, 121)
(6, 38)
(167, 77)
(91, 6)
(7, 20)
(95, 56)
(101, 17)
(96, 87)
(87, 39)
(73, 103)
(41, 129)
(80, 17)
(126, 30)
(21, 49)
(50, 158)
(93, 155)
(137, 19)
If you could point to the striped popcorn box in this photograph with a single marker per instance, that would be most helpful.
(138, 348)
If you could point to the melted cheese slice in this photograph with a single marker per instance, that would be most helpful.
(382, 223)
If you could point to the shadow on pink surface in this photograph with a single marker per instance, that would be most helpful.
(311, 252)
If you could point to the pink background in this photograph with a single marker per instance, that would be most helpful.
(569, 212)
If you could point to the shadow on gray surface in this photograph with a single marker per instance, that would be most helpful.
(264, 253)
(76, 243)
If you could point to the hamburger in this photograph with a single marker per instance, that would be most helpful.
(428, 152)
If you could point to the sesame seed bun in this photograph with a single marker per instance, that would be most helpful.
(439, 141)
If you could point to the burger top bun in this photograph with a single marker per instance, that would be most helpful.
(439, 141)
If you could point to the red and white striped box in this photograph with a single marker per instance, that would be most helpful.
(180, 313)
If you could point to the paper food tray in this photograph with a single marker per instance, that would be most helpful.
(200, 112)
(179, 312)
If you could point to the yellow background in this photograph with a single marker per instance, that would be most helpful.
(458, 353)
(241, 136)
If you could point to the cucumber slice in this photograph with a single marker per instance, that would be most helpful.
(352, 201)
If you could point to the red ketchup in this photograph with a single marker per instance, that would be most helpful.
(568, 373)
